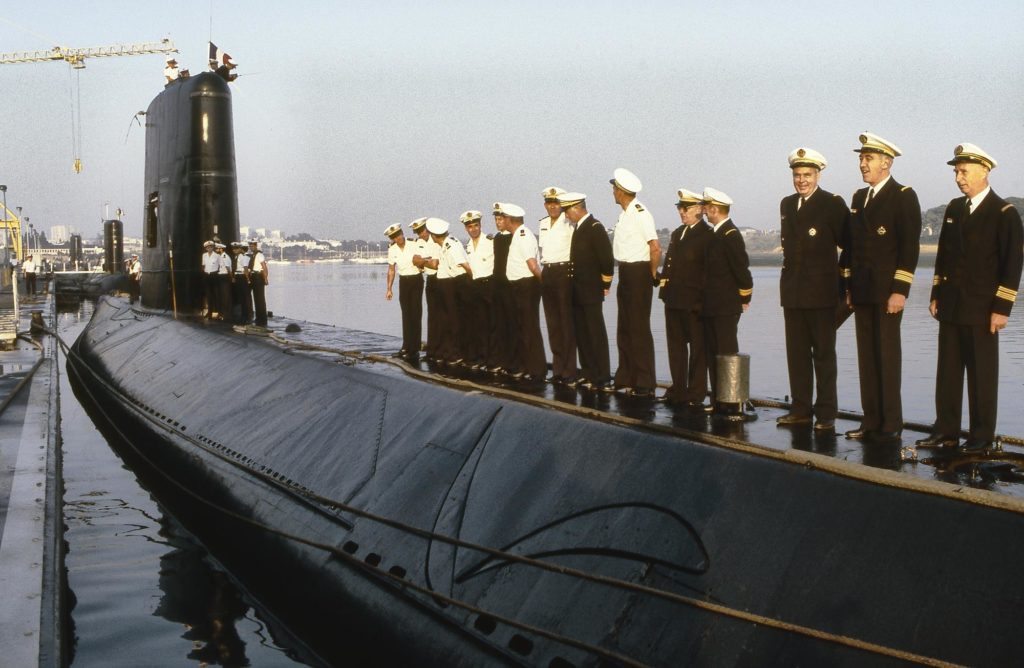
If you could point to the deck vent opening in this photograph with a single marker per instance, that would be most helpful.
(520, 645)
(485, 625)
(350, 547)
(397, 571)
(373, 559)
(559, 662)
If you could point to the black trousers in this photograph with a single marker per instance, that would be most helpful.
(880, 364)
(592, 342)
(451, 301)
(687, 357)
(480, 328)
(433, 322)
(634, 339)
(720, 338)
(224, 295)
(811, 355)
(259, 298)
(556, 291)
(242, 309)
(410, 300)
(504, 344)
(133, 289)
(211, 293)
(532, 360)
(30, 283)
(974, 349)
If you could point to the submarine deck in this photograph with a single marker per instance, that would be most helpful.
(992, 478)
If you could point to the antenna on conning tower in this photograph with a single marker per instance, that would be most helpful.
(76, 58)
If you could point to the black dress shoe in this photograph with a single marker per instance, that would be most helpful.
(608, 387)
(790, 419)
(858, 434)
(886, 437)
(825, 425)
(975, 445)
(641, 393)
(938, 441)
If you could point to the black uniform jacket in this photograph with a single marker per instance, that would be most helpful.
(882, 243)
(978, 266)
(682, 277)
(729, 284)
(810, 241)
(592, 265)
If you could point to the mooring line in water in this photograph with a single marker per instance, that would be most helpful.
(708, 606)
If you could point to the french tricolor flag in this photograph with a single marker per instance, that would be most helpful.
(218, 58)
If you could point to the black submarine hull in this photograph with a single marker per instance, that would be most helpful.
(795, 565)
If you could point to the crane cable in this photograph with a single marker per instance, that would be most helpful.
(75, 101)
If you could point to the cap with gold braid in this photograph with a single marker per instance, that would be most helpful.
(498, 209)
(716, 197)
(688, 197)
(971, 153)
(417, 224)
(807, 157)
(393, 230)
(570, 199)
(471, 216)
(872, 143)
(551, 194)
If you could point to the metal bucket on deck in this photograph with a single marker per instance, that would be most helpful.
(733, 373)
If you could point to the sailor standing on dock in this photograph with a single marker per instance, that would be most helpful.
(28, 269)
(638, 252)
(812, 222)
(554, 237)
(682, 288)
(480, 251)
(426, 249)
(258, 275)
(592, 268)
(524, 274)
(880, 255)
(410, 290)
(977, 273)
(728, 287)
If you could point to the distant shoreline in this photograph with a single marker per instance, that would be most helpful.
(774, 259)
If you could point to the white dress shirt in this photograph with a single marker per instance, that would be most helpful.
(633, 233)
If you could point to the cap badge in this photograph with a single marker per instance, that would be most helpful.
(812, 231)
(801, 153)
(881, 231)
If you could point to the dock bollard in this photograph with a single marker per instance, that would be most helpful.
(733, 373)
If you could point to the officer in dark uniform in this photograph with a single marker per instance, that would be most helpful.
(880, 255)
(728, 286)
(813, 221)
(591, 267)
(425, 250)
(977, 273)
(682, 287)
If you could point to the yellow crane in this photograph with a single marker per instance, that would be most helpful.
(76, 58)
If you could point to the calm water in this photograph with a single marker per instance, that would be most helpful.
(147, 594)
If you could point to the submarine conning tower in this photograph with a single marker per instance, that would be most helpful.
(190, 188)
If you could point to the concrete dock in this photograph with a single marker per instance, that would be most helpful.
(32, 575)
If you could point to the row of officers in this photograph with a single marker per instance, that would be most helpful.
(483, 297)
(234, 284)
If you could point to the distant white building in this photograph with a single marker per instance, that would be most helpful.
(275, 234)
(261, 232)
(243, 232)
(60, 233)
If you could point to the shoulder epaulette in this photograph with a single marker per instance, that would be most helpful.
(1008, 206)
(729, 231)
(638, 206)
(541, 220)
(904, 188)
(491, 237)
(522, 233)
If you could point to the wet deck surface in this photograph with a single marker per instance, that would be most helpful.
(999, 471)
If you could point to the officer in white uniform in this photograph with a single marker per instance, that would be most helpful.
(134, 277)
(211, 266)
(410, 290)
(425, 250)
(452, 282)
(259, 277)
(637, 250)
(480, 251)
(523, 272)
(554, 237)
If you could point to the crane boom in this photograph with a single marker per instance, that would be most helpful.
(76, 57)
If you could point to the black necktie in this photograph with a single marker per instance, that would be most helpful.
(800, 204)
(968, 206)
(871, 193)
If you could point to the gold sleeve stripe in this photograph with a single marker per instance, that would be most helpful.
(936, 280)
(746, 293)
(728, 232)
(845, 273)
(1008, 206)
(1006, 293)
(663, 282)
(904, 276)
(606, 279)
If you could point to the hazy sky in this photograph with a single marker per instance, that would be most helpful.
(352, 115)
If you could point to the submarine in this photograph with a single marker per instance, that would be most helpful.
(452, 523)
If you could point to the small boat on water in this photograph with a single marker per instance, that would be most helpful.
(453, 522)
